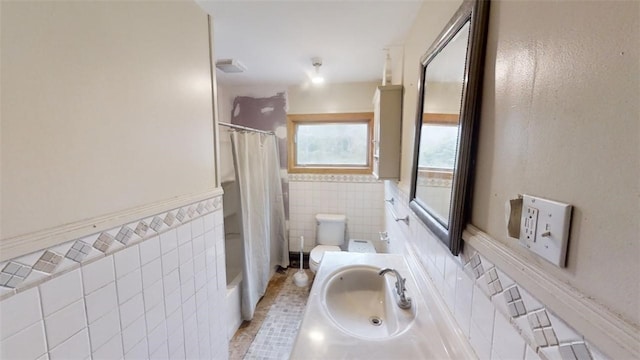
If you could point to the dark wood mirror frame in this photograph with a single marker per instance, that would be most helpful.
(476, 12)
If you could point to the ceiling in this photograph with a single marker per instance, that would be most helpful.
(276, 40)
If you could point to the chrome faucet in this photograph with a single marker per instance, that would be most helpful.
(404, 302)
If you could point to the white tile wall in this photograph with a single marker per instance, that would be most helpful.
(507, 342)
(139, 351)
(162, 353)
(184, 234)
(170, 261)
(479, 341)
(133, 333)
(101, 302)
(131, 310)
(463, 301)
(151, 273)
(19, 311)
(148, 300)
(169, 241)
(60, 325)
(157, 337)
(149, 250)
(530, 354)
(155, 317)
(482, 316)
(126, 261)
(111, 350)
(481, 310)
(97, 274)
(102, 330)
(28, 343)
(362, 203)
(60, 292)
(76, 347)
(129, 285)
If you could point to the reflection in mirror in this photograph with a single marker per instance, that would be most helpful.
(443, 85)
(446, 123)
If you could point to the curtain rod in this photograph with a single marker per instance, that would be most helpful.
(238, 127)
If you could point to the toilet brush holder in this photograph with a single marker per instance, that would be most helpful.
(300, 278)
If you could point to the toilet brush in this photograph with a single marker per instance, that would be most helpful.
(300, 278)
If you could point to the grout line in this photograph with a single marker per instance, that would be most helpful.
(86, 313)
(115, 282)
(144, 304)
(44, 328)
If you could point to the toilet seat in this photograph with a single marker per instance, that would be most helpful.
(318, 253)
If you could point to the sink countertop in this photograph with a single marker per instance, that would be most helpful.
(320, 338)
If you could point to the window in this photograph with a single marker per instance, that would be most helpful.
(438, 144)
(330, 143)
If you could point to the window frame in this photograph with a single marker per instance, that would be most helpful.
(294, 120)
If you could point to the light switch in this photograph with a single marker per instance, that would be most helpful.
(544, 228)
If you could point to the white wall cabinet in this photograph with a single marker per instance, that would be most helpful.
(387, 132)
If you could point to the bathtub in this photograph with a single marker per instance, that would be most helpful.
(234, 318)
(233, 255)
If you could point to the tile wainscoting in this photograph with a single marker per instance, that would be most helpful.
(359, 197)
(499, 317)
(153, 288)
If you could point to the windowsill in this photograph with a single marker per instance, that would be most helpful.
(435, 174)
(331, 170)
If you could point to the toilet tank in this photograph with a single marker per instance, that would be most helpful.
(330, 229)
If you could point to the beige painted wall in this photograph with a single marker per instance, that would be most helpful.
(105, 106)
(560, 119)
(332, 98)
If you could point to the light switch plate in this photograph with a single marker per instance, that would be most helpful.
(544, 228)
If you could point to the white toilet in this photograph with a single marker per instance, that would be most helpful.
(330, 231)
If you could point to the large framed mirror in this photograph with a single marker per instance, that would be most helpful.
(449, 97)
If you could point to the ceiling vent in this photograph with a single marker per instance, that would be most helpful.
(230, 66)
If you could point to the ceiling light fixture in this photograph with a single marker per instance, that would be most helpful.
(317, 78)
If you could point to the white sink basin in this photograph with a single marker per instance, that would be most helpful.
(348, 297)
(364, 304)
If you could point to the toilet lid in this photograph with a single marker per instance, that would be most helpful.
(318, 252)
(361, 246)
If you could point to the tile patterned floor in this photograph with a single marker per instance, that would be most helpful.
(271, 333)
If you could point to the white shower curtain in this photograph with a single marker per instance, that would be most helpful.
(262, 219)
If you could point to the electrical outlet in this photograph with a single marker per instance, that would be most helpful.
(530, 223)
(544, 228)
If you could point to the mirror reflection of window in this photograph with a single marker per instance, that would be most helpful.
(438, 144)
(437, 158)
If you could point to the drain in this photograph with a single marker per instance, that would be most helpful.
(375, 321)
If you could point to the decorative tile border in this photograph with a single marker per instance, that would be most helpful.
(434, 182)
(26, 271)
(333, 178)
(13, 274)
(599, 324)
(28, 243)
(538, 322)
(48, 262)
